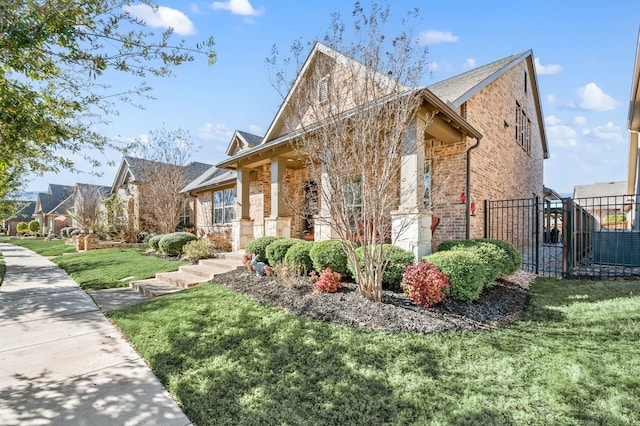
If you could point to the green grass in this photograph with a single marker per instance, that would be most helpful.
(108, 268)
(45, 248)
(573, 358)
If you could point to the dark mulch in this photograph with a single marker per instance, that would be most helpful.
(499, 304)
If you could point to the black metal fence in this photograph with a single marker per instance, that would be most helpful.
(595, 237)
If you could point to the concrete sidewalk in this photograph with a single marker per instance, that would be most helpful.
(62, 362)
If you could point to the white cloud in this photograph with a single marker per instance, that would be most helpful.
(162, 17)
(609, 132)
(593, 98)
(256, 130)
(561, 136)
(435, 37)
(215, 132)
(238, 7)
(552, 99)
(580, 120)
(470, 63)
(552, 120)
(546, 69)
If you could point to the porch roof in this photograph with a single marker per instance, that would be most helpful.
(279, 146)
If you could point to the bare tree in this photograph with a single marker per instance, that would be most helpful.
(163, 176)
(86, 206)
(355, 120)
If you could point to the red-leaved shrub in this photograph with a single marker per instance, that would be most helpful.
(327, 282)
(425, 284)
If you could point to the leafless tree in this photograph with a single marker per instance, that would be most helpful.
(86, 206)
(354, 120)
(163, 176)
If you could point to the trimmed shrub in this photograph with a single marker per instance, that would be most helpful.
(74, 232)
(277, 250)
(297, 257)
(327, 282)
(34, 226)
(259, 246)
(154, 242)
(198, 249)
(467, 272)
(145, 236)
(173, 244)
(22, 228)
(425, 284)
(508, 264)
(328, 254)
(220, 240)
(399, 259)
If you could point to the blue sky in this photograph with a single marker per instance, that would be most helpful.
(584, 50)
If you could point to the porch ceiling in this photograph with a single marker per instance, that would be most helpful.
(265, 156)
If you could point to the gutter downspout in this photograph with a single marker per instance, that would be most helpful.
(467, 214)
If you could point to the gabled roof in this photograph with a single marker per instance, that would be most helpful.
(460, 88)
(241, 141)
(25, 214)
(211, 178)
(53, 200)
(103, 190)
(600, 189)
(133, 169)
(339, 58)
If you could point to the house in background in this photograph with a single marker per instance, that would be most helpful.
(633, 179)
(51, 208)
(129, 183)
(606, 202)
(488, 119)
(87, 203)
(25, 214)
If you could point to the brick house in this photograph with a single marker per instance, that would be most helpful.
(482, 129)
(52, 207)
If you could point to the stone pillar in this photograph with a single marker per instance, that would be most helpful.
(242, 229)
(278, 224)
(411, 223)
(242, 233)
(322, 221)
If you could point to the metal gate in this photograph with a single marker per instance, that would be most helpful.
(595, 238)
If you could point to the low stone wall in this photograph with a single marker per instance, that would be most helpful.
(91, 242)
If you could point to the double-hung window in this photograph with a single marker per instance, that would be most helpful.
(223, 206)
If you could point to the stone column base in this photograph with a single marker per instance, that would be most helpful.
(412, 231)
(277, 227)
(322, 229)
(242, 233)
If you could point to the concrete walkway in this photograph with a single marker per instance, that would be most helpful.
(62, 362)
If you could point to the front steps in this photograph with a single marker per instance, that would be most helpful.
(188, 275)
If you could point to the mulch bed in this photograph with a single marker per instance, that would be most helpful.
(498, 304)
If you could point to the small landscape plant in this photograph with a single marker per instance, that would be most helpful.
(173, 244)
(328, 254)
(220, 240)
(259, 246)
(425, 284)
(327, 282)
(246, 261)
(467, 272)
(154, 242)
(277, 250)
(297, 257)
(34, 226)
(198, 249)
(22, 228)
(397, 261)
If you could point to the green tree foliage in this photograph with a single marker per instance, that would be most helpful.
(56, 60)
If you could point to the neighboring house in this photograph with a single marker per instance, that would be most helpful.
(25, 214)
(606, 202)
(129, 180)
(489, 119)
(633, 180)
(52, 207)
(88, 204)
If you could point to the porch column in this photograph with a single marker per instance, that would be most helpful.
(278, 224)
(322, 221)
(411, 223)
(243, 225)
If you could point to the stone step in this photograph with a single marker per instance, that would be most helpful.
(227, 264)
(208, 272)
(153, 287)
(180, 279)
(235, 256)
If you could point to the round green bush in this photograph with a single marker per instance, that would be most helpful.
(398, 261)
(467, 272)
(259, 247)
(509, 264)
(22, 228)
(34, 226)
(172, 244)
(277, 250)
(154, 242)
(328, 254)
(297, 257)
(146, 236)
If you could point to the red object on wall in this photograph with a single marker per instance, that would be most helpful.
(473, 209)
(463, 198)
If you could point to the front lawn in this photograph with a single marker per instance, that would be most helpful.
(573, 358)
(45, 248)
(109, 268)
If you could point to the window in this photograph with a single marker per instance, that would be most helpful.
(352, 191)
(223, 206)
(525, 82)
(523, 128)
(323, 89)
(426, 182)
(185, 216)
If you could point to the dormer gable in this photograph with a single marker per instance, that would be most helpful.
(241, 141)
